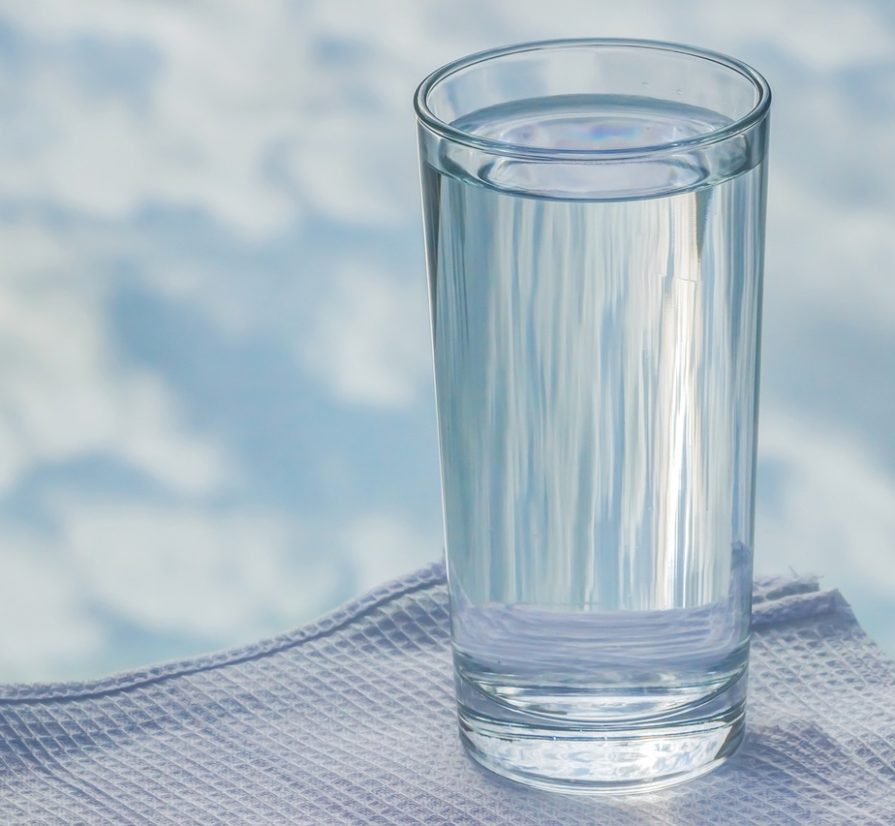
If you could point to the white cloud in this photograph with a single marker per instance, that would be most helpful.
(834, 512)
(820, 35)
(236, 86)
(213, 115)
(828, 258)
(64, 395)
(384, 546)
(823, 35)
(46, 628)
(367, 341)
(350, 168)
(230, 302)
(173, 569)
(224, 578)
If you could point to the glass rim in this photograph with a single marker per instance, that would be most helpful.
(432, 122)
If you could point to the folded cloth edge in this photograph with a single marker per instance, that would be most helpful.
(775, 600)
(327, 624)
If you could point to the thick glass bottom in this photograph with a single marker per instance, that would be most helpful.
(611, 757)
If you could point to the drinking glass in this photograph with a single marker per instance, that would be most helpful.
(594, 226)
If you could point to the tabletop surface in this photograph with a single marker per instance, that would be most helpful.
(351, 720)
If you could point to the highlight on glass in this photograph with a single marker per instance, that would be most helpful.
(594, 223)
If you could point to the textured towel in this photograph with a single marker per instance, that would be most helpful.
(351, 720)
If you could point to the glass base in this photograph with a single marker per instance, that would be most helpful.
(611, 758)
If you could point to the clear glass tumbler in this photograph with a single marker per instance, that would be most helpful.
(594, 219)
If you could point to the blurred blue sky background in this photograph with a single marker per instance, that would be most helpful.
(216, 412)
